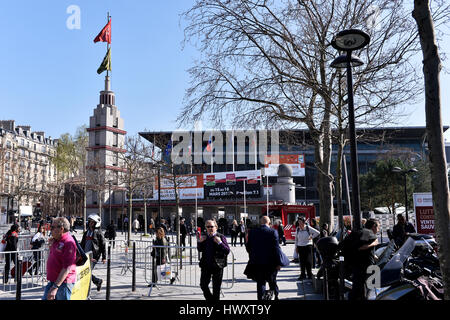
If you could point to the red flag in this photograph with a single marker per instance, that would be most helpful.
(105, 34)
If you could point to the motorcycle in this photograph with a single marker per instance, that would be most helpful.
(412, 273)
(409, 272)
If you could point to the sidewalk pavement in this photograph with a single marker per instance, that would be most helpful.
(243, 289)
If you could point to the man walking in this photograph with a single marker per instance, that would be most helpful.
(214, 249)
(136, 225)
(183, 233)
(264, 262)
(61, 268)
(94, 241)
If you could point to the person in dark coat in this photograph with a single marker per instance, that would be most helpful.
(11, 238)
(111, 233)
(402, 230)
(93, 240)
(183, 233)
(281, 233)
(159, 254)
(214, 250)
(263, 264)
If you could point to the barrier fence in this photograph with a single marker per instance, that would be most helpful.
(183, 263)
(182, 269)
(33, 269)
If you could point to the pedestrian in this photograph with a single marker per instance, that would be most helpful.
(242, 230)
(303, 243)
(29, 223)
(111, 233)
(11, 238)
(125, 224)
(164, 226)
(72, 223)
(315, 252)
(214, 250)
(234, 232)
(159, 254)
(281, 234)
(364, 256)
(94, 241)
(61, 267)
(324, 232)
(401, 230)
(263, 264)
(136, 225)
(183, 233)
(152, 226)
(37, 242)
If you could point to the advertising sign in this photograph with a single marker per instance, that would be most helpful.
(295, 161)
(229, 185)
(187, 185)
(82, 286)
(423, 207)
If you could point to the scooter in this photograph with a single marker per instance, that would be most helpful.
(408, 276)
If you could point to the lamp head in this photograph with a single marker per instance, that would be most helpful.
(349, 40)
(341, 62)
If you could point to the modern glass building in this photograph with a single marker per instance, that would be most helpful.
(237, 150)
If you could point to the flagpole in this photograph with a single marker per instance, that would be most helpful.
(191, 155)
(256, 157)
(232, 143)
(107, 46)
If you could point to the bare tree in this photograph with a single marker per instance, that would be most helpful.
(438, 166)
(266, 64)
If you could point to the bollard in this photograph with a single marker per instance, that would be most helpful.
(190, 248)
(19, 279)
(133, 284)
(108, 273)
(341, 275)
(325, 283)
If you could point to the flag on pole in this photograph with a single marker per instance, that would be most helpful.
(105, 34)
(168, 148)
(106, 63)
(209, 145)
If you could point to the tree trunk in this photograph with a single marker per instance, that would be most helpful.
(438, 167)
(322, 155)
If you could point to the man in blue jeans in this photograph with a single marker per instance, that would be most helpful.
(61, 268)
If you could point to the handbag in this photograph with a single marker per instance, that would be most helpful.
(283, 259)
(81, 255)
(164, 272)
(2, 245)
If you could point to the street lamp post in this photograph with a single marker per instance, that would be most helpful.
(348, 41)
(405, 173)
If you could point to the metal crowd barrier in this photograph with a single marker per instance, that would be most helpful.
(34, 273)
(184, 268)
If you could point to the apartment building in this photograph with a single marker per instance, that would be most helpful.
(27, 175)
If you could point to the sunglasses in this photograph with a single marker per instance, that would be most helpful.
(54, 227)
(210, 226)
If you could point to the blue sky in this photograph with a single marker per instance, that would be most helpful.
(48, 73)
